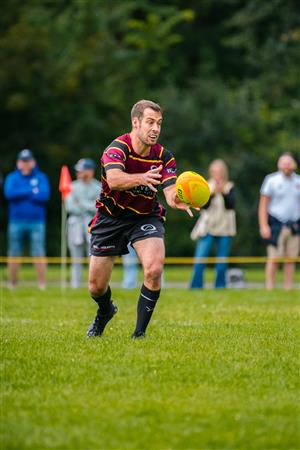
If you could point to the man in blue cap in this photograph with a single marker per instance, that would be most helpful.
(80, 205)
(27, 191)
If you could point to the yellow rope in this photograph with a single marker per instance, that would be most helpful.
(169, 260)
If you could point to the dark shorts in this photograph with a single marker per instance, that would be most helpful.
(110, 236)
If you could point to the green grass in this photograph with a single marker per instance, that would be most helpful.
(218, 370)
(172, 274)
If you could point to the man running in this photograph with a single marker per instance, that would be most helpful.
(133, 166)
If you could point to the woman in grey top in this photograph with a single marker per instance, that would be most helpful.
(80, 206)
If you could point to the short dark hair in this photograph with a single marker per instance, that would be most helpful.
(139, 108)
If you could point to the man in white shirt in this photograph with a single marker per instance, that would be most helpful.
(279, 218)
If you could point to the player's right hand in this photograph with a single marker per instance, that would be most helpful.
(151, 178)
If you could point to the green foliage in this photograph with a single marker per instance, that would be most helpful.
(220, 371)
(226, 73)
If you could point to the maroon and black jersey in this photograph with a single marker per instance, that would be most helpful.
(140, 200)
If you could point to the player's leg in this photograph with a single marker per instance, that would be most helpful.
(202, 251)
(151, 252)
(99, 276)
(100, 269)
(15, 249)
(223, 248)
(108, 239)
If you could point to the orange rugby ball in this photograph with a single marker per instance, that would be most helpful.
(192, 189)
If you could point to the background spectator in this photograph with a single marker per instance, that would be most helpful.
(27, 191)
(279, 218)
(80, 206)
(216, 223)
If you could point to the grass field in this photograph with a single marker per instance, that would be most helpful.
(218, 370)
(254, 275)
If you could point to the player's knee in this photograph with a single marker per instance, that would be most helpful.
(153, 271)
(96, 290)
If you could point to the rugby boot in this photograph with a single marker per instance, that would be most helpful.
(138, 335)
(97, 327)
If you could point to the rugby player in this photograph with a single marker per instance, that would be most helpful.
(133, 166)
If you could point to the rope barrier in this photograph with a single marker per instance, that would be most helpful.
(168, 260)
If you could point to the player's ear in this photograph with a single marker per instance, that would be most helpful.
(135, 122)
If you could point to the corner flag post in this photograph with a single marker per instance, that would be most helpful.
(65, 181)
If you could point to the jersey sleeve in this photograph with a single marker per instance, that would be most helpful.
(113, 157)
(168, 172)
(266, 188)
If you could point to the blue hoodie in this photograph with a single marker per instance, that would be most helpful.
(27, 195)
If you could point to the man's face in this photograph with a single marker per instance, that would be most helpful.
(148, 127)
(25, 167)
(85, 175)
(286, 165)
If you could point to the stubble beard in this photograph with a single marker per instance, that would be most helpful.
(146, 143)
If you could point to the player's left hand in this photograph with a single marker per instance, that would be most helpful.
(175, 202)
(183, 206)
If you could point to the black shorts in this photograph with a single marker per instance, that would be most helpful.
(110, 236)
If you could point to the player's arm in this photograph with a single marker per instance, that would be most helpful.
(264, 227)
(118, 180)
(174, 202)
(168, 183)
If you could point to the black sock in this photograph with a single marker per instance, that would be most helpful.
(145, 307)
(104, 302)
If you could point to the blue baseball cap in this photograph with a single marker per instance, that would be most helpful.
(25, 155)
(84, 164)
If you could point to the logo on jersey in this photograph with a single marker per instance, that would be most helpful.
(171, 170)
(115, 155)
(143, 190)
(148, 227)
